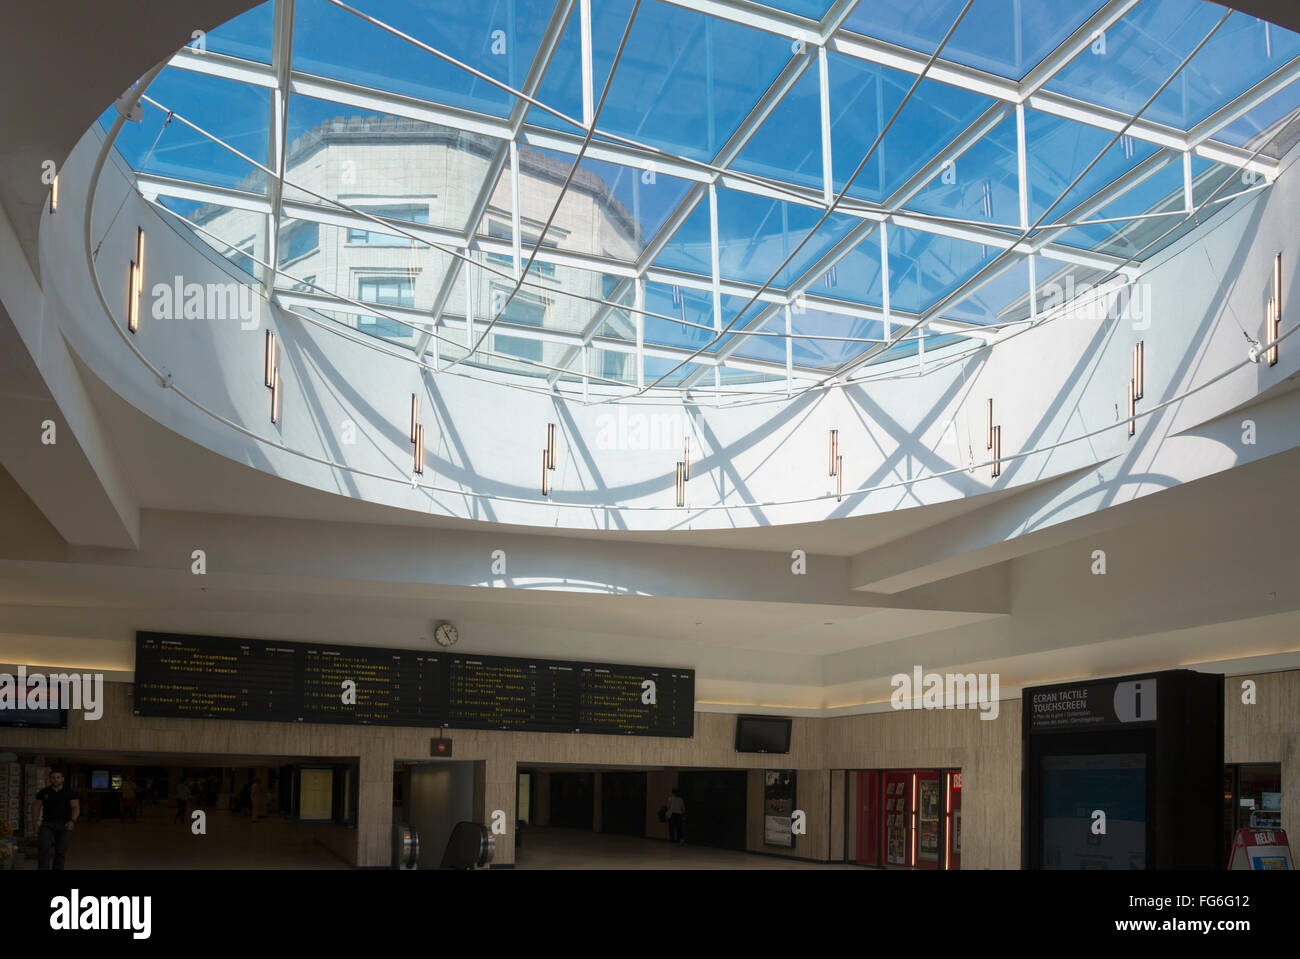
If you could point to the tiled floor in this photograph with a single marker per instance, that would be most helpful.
(557, 848)
(231, 842)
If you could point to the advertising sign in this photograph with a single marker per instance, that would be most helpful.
(778, 807)
(1093, 705)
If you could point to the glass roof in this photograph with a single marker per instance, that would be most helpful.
(749, 198)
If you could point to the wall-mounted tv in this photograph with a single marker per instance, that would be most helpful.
(10, 715)
(762, 734)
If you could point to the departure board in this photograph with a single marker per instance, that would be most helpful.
(206, 677)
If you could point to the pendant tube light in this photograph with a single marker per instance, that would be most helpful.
(546, 473)
(275, 395)
(835, 450)
(997, 451)
(139, 259)
(269, 377)
(1275, 311)
(839, 478)
(415, 417)
(54, 196)
(1138, 364)
(419, 450)
(686, 452)
(550, 446)
(988, 419)
(1132, 408)
(132, 300)
(681, 483)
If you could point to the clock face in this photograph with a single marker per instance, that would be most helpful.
(445, 634)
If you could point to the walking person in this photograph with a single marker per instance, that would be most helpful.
(130, 805)
(676, 818)
(257, 797)
(57, 810)
(182, 799)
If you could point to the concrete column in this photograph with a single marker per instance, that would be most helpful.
(375, 808)
(499, 794)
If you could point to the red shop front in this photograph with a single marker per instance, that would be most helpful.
(909, 818)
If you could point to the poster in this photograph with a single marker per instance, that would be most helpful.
(778, 807)
(895, 824)
(928, 820)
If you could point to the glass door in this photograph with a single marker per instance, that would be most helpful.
(927, 818)
(952, 815)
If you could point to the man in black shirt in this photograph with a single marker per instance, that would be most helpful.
(57, 810)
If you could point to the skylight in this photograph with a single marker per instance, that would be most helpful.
(772, 195)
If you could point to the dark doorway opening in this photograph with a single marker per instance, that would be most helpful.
(715, 806)
(622, 803)
(573, 796)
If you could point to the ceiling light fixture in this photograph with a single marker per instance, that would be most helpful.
(686, 453)
(989, 421)
(681, 483)
(546, 473)
(997, 451)
(54, 196)
(550, 446)
(1132, 408)
(419, 450)
(835, 451)
(1138, 365)
(415, 417)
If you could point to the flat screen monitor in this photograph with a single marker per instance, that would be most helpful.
(33, 718)
(99, 779)
(762, 734)
(1075, 789)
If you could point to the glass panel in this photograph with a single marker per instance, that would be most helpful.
(788, 146)
(684, 84)
(541, 301)
(422, 172)
(693, 306)
(1267, 124)
(612, 365)
(983, 184)
(656, 367)
(864, 97)
(234, 112)
(237, 235)
(608, 210)
(1125, 66)
(497, 38)
(923, 267)
(1006, 37)
(408, 274)
(1243, 52)
(857, 277)
(247, 36)
(1162, 192)
(1003, 298)
(812, 9)
(1059, 150)
(755, 236)
(822, 354)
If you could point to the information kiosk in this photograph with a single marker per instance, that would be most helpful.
(1124, 773)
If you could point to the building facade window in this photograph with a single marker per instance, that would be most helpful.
(386, 291)
(407, 212)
